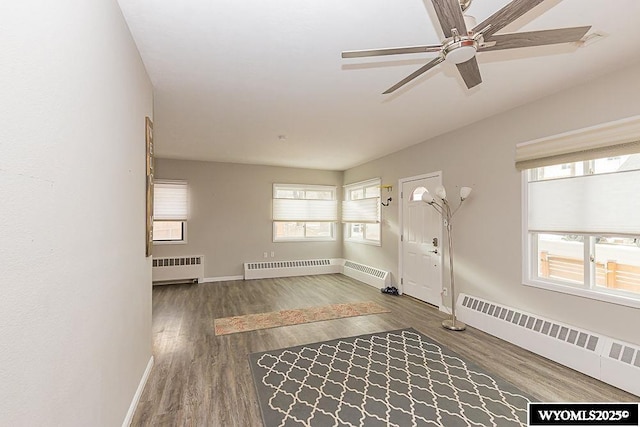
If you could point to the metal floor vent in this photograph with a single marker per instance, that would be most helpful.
(527, 321)
(287, 264)
(625, 353)
(172, 262)
(365, 269)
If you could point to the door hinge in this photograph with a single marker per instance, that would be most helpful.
(401, 238)
(401, 281)
(402, 194)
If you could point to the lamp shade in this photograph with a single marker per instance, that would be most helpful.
(464, 192)
(441, 192)
(427, 197)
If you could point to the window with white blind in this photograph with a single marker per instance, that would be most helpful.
(581, 213)
(361, 212)
(304, 212)
(170, 211)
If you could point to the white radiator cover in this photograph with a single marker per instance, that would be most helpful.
(175, 269)
(270, 269)
(364, 273)
(369, 275)
(598, 356)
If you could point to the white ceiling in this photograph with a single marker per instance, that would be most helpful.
(232, 77)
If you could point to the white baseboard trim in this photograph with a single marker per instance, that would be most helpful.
(220, 279)
(136, 397)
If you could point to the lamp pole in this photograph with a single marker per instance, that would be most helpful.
(444, 209)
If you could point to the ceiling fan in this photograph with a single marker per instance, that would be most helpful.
(461, 44)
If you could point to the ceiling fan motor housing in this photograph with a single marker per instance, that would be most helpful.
(459, 51)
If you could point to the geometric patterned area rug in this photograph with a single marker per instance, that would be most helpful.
(274, 319)
(398, 378)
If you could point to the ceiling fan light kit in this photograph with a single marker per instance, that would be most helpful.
(461, 45)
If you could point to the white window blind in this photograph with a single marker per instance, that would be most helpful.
(305, 210)
(605, 140)
(362, 202)
(604, 204)
(304, 203)
(170, 201)
(361, 211)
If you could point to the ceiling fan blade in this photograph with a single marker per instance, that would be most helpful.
(450, 16)
(391, 51)
(415, 74)
(535, 38)
(470, 72)
(505, 16)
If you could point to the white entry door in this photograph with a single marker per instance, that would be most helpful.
(421, 240)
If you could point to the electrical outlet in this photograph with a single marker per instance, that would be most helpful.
(445, 291)
(264, 254)
(273, 254)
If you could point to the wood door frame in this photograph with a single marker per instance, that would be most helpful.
(401, 181)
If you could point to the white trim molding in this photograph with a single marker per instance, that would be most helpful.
(136, 397)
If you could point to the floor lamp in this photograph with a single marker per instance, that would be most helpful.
(444, 209)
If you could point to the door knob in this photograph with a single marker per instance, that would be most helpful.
(435, 251)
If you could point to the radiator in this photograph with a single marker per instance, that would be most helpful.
(596, 355)
(264, 270)
(369, 275)
(178, 269)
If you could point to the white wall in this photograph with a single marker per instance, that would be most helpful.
(488, 228)
(230, 214)
(75, 304)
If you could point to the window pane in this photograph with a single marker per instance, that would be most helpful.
(558, 171)
(617, 164)
(416, 196)
(318, 229)
(561, 258)
(373, 191)
(618, 263)
(372, 231)
(285, 194)
(167, 231)
(357, 194)
(357, 231)
(319, 195)
(284, 230)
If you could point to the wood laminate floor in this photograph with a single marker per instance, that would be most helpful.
(200, 379)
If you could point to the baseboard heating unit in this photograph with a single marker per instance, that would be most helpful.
(167, 270)
(369, 275)
(266, 270)
(611, 361)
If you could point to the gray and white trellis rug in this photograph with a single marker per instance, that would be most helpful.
(398, 378)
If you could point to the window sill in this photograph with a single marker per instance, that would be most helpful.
(169, 242)
(628, 301)
(302, 240)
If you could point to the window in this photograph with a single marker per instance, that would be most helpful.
(304, 212)
(416, 196)
(361, 212)
(582, 223)
(170, 208)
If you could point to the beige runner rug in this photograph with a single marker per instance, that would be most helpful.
(274, 319)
